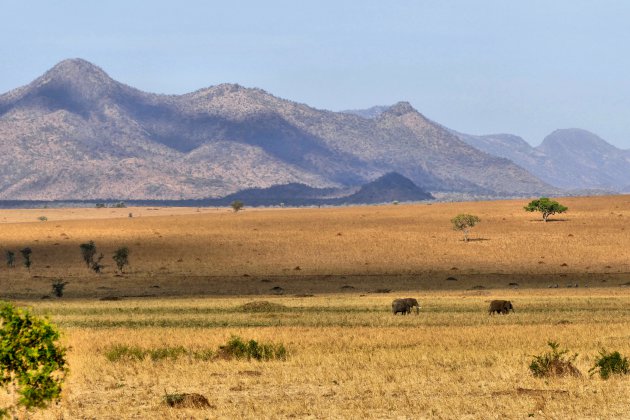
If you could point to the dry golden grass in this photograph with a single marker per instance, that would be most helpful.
(348, 356)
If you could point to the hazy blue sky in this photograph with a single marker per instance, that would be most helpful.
(522, 67)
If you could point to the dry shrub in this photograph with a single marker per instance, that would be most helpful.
(555, 363)
(186, 400)
(262, 306)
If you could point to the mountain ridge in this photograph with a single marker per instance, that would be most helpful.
(571, 159)
(93, 136)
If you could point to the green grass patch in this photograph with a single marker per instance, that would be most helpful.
(121, 352)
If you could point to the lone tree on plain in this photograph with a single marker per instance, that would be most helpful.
(121, 257)
(88, 250)
(237, 205)
(463, 222)
(32, 363)
(546, 206)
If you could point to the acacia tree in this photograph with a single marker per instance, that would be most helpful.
(121, 257)
(463, 222)
(26, 257)
(546, 206)
(237, 205)
(32, 363)
(88, 250)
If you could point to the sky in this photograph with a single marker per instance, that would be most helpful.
(480, 67)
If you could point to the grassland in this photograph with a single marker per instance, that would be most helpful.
(192, 271)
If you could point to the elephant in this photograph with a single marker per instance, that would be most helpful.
(405, 305)
(501, 307)
(413, 303)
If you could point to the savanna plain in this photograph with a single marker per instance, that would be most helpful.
(321, 282)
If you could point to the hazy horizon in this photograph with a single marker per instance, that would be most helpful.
(482, 68)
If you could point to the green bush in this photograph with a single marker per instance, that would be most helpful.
(554, 363)
(610, 363)
(31, 360)
(239, 349)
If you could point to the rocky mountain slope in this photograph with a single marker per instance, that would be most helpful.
(569, 158)
(74, 133)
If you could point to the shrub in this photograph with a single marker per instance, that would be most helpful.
(26, 256)
(610, 363)
(10, 257)
(96, 265)
(121, 351)
(464, 222)
(58, 286)
(237, 205)
(554, 363)
(239, 349)
(88, 250)
(31, 360)
(100, 205)
(42, 218)
(121, 257)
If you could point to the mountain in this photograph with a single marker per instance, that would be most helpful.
(75, 133)
(387, 188)
(569, 158)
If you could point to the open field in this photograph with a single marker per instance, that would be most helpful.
(191, 271)
(348, 356)
(185, 252)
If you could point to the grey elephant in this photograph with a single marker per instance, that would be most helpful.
(502, 307)
(404, 306)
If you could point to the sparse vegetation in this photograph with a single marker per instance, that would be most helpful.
(610, 364)
(32, 363)
(555, 363)
(121, 352)
(42, 218)
(344, 344)
(464, 222)
(545, 206)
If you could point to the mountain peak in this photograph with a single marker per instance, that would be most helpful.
(400, 108)
(575, 139)
(76, 69)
